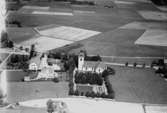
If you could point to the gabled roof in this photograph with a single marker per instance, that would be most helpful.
(54, 61)
(94, 64)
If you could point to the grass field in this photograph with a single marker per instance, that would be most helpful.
(139, 85)
(22, 91)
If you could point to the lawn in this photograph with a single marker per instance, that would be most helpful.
(22, 91)
(138, 85)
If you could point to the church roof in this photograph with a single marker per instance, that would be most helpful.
(94, 64)
(54, 61)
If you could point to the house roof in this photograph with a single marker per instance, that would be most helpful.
(54, 61)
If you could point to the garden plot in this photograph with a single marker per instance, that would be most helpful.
(153, 15)
(68, 33)
(153, 37)
(43, 43)
(144, 25)
(52, 13)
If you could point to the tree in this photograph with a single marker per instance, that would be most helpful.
(111, 71)
(10, 44)
(105, 73)
(24, 66)
(32, 51)
(126, 64)
(111, 96)
(82, 93)
(92, 94)
(103, 95)
(109, 87)
(4, 36)
(87, 94)
(76, 93)
(99, 79)
(14, 59)
(5, 40)
(50, 107)
(56, 80)
(135, 64)
(27, 49)
(83, 81)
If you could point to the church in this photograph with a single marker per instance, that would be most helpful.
(85, 66)
(90, 66)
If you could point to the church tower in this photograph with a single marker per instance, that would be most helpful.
(81, 58)
(44, 62)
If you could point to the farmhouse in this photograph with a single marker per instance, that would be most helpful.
(48, 68)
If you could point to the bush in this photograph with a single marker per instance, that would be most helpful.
(134, 65)
(109, 88)
(87, 94)
(110, 96)
(56, 80)
(76, 93)
(126, 64)
(92, 94)
(71, 84)
(71, 92)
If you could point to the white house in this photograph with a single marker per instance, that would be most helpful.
(33, 66)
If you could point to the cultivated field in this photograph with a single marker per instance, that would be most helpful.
(120, 26)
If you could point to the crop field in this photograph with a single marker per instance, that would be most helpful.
(116, 31)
